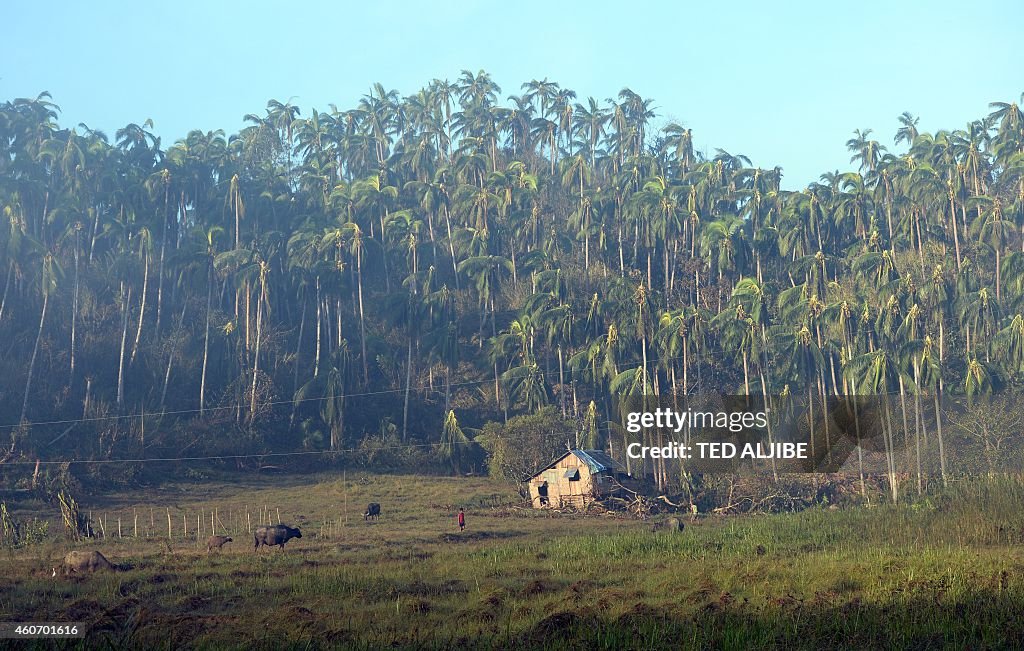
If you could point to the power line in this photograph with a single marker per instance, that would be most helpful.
(229, 456)
(275, 403)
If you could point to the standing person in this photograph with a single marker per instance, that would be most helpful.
(462, 519)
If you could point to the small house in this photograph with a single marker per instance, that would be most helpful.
(576, 478)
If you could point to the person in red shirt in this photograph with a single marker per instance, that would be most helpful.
(462, 519)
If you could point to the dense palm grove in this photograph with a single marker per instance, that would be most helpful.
(323, 279)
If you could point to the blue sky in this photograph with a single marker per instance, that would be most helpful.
(785, 83)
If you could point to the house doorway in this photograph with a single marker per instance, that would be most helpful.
(542, 493)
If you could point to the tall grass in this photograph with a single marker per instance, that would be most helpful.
(944, 570)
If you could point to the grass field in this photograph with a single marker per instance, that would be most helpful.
(943, 572)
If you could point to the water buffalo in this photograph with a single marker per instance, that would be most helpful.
(672, 525)
(372, 511)
(216, 542)
(277, 534)
(77, 561)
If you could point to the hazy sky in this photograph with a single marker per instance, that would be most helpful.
(783, 82)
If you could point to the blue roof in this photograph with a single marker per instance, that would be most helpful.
(597, 460)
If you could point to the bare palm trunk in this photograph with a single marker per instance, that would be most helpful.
(142, 306)
(256, 356)
(362, 318)
(768, 421)
(906, 424)
(7, 286)
(95, 232)
(622, 261)
(170, 361)
(338, 306)
(999, 283)
(35, 353)
(451, 246)
(319, 319)
(160, 270)
(74, 316)
(408, 385)
(206, 341)
(890, 451)
(561, 378)
(248, 309)
(298, 359)
(433, 240)
(938, 428)
(124, 342)
(956, 233)
(918, 426)
(746, 375)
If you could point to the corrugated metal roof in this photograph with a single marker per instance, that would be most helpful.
(597, 460)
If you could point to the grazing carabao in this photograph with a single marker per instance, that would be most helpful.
(277, 534)
(216, 542)
(372, 511)
(80, 562)
(672, 525)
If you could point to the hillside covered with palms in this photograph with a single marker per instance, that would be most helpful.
(404, 271)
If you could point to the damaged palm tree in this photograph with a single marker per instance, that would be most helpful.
(8, 527)
(76, 524)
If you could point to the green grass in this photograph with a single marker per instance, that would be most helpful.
(942, 572)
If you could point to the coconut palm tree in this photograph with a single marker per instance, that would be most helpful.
(867, 152)
(908, 128)
(50, 274)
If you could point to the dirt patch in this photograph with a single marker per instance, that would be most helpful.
(560, 627)
(194, 603)
(423, 589)
(340, 638)
(406, 555)
(83, 610)
(639, 614)
(536, 587)
(418, 607)
(610, 598)
(122, 610)
(786, 602)
(465, 536)
(494, 599)
(118, 620)
(157, 579)
(128, 588)
(301, 613)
